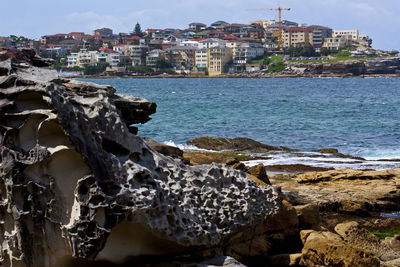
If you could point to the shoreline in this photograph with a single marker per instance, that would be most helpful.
(265, 76)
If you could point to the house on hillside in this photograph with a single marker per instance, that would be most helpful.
(103, 31)
(197, 26)
(219, 24)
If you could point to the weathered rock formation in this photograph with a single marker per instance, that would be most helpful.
(239, 143)
(346, 191)
(76, 183)
(352, 67)
(351, 245)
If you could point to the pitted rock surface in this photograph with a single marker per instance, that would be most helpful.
(76, 183)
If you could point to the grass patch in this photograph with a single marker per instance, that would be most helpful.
(382, 234)
(277, 64)
(281, 177)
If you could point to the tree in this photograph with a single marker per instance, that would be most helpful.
(99, 68)
(138, 30)
(162, 64)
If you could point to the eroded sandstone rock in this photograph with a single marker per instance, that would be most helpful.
(346, 191)
(328, 249)
(76, 183)
(355, 235)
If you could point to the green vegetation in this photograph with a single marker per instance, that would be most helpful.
(277, 64)
(18, 38)
(306, 51)
(382, 234)
(140, 69)
(99, 68)
(162, 64)
(93, 47)
(281, 177)
(138, 30)
(59, 63)
(263, 60)
(198, 158)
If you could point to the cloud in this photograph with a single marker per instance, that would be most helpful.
(373, 17)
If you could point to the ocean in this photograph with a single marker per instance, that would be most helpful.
(358, 116)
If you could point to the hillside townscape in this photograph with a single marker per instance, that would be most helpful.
(211, 50)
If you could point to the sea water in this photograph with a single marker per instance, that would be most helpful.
(358, 116)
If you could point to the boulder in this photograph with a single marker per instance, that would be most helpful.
(134, 109)
(328, 249)
(285, 259)
(260, 172)
(76, 185)
(352, 233)
(223, 261)
(345, 191)
(309, 217)
(347, 174)
(393, 242)
(166, 150)
(239, 143)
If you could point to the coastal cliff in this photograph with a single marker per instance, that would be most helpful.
(352, 67)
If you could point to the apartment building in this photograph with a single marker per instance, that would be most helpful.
(91, 58)
(296, 36)
(318, 35)
(263, 23)
(201, 60)
(82, 58)
(108, 56)
(336, 43)
(154, 56)
(137, 53)
(218, 59)
(243, 52)
(181, 57)
(349, 34)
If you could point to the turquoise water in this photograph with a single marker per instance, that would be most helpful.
(359, 116)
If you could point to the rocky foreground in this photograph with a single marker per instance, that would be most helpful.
(78, 187)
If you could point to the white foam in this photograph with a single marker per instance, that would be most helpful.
(377, 154)
(186, 147)
(321, 160)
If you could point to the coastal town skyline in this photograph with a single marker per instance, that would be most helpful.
(371, 17)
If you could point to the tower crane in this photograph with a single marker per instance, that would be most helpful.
(279, 9)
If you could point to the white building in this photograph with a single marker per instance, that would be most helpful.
(349, 34)
(212, 42)
(201, 59)
(92, 58)
(243, 52)
(190, 43)
(72, 60)
(120, 48)
(111, 57)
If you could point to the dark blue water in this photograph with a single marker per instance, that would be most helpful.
(359, 116)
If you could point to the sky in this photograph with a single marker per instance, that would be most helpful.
(380, 19)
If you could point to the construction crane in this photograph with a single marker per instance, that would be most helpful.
(279, 9)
